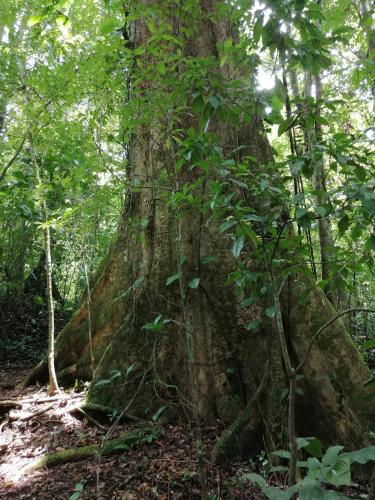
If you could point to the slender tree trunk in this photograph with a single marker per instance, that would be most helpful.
(53, 384)
(313, 137)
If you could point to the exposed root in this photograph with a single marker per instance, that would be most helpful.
(243, 432)
(29, 416)
(97, 408)
(79, 409)
(118, 445)
(40, 373)
(33, 375)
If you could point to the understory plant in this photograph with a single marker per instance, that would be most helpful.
(322, 472)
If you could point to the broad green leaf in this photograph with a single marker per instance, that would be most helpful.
(227, 224)
(34, 20)
(156, 415)
(285, 125)
(102, 382)
(331, 454)
(194, 283)
(270, 311)
(315, 447)
(255, 478)
(238, 246)
(361, 456)
(321, 211)
(215, 101)
(253, 325)
(173, 278)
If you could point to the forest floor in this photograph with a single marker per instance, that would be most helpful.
(164, 469)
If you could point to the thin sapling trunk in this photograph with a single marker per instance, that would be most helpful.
(53, 384)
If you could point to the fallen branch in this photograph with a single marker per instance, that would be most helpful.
(118, 445)
(41, 400)
(8, 405)
(23, 418)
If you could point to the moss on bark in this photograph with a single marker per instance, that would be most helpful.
(118, 445)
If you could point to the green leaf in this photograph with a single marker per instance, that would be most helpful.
(246, 230)
(109, 25)
(361, 456)
(215, 101)
(331, 454)
(285, 125)
(34, 20)
(238, 246)
(75, 495)
(258, 28)
(121, 446)
(255, 478)
(270, 311)
(102, 382)
(369, 344)
(339, 473)
(321, 211)
(173, 278)
(63, 21)
(194, 283)
(156, 415)
(130, 369)
(227, 224)
(253, 325)
(156, 326)
(315, 447)
(301, 212)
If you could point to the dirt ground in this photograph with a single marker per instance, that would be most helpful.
(164, 469)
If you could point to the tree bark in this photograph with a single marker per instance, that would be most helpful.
(237, 373)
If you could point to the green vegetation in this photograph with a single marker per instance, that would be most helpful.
(189, 188)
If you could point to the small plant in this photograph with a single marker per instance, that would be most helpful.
(78, 490)
(333, 469)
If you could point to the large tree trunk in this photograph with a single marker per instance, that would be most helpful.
(238, 374)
